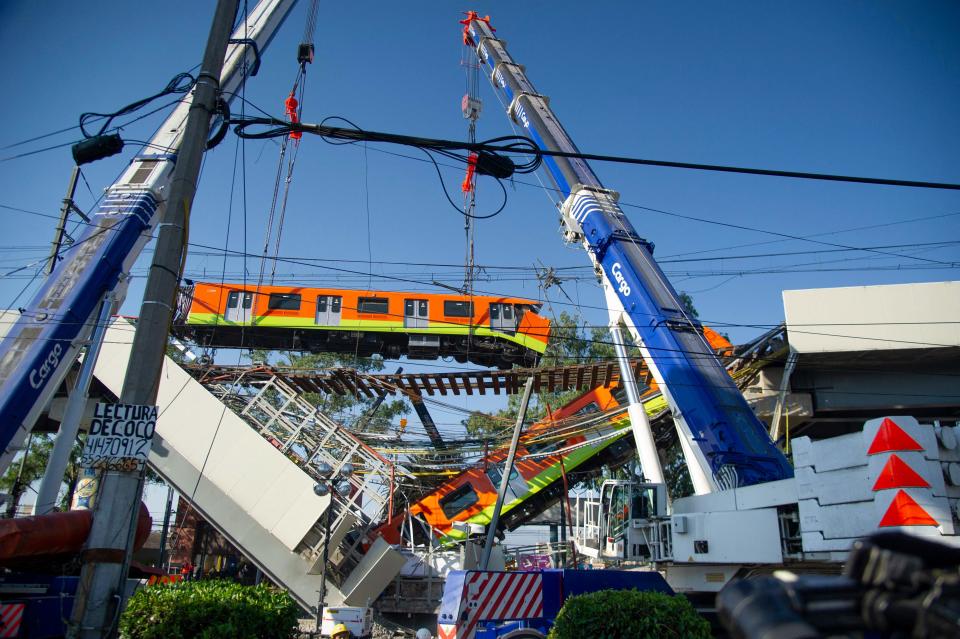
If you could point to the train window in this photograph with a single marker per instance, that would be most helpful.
(592, 407)
(494, 311)
(454, 308)
(620, 394)
(495, 473)
(373, 305)
(233, 299)
(545, 447)
(507, 312)
(284, 301)
(459, 500)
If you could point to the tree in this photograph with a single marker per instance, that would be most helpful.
(25, 470)
(33, 463)
(688, 306)
(675, 471)
(71, 477)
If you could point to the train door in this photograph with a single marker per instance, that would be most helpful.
(503, 318)
(239, 306)
(415, 314)
(328, 310)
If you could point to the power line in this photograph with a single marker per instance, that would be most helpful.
(519, 145)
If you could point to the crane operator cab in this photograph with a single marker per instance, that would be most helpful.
(633, 520)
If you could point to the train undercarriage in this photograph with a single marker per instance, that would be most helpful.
(481, 350)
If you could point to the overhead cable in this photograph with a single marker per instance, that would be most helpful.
(497, 163)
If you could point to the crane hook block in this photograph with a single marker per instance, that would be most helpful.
(96, 148)
(305, 53)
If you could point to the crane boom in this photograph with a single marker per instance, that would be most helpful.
(41, 346)
(725, 444)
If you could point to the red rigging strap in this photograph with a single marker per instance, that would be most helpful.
(291, 105)
(471, 16)
(467, 185)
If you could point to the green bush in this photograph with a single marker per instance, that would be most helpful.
(209, 610)
(628, 614)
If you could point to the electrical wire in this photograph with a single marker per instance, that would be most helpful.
(181, 83)
(519, 145)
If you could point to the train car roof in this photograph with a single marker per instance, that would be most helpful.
(253, 288)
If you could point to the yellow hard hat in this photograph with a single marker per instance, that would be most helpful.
(338, 629)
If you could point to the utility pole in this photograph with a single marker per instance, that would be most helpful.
(68, 206)
(505, 478)
(106, 557)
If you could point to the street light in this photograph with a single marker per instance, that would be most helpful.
(329, 484)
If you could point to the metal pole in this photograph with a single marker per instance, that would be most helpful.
(62, 227)
(393, 488)
(167, 511)
(505, 478)
(70, 424)
(322, 599)
(107, 554)
(18, 488)
(566, 499)
(778, 412)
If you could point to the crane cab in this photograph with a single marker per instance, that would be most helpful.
(628, 522)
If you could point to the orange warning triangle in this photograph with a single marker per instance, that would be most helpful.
(897, 474)
(904, 511)
(891, 437)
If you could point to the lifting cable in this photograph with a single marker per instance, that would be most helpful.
(293, 106)
(470, 105)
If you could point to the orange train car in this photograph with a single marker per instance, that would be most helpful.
(535, 482)
(485, 330)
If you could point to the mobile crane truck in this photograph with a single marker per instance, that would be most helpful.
(751, 512)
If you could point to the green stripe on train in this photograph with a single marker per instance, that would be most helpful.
(534, 485)
(374, 326)
(652, 406)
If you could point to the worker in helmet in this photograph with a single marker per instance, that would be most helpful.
(340, 632)
(423, 633)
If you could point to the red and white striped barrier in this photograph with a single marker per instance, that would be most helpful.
(11, 615)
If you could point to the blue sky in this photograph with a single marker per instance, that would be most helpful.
(858, 88)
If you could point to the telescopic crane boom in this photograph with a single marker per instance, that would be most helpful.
(724, 443)
(42, 345)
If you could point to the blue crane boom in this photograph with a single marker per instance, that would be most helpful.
(723, 440)
(42, 345)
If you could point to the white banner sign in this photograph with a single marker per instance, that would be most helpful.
(119, 437)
